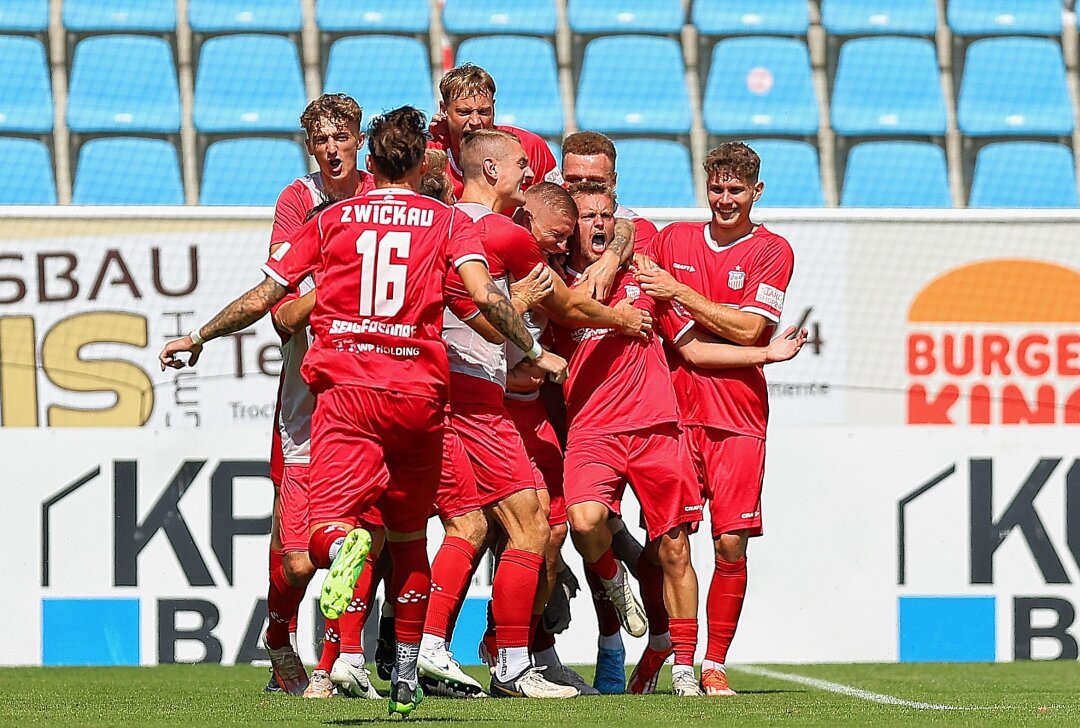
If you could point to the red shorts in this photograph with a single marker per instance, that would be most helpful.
(495, 450)
(730, 467)
(655, 461)
(375, 447)
(457, 489)
(545, 453)
(293, 508)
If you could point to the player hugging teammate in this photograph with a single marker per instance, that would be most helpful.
(410, 387)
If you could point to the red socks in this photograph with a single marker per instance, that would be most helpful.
(352, 620)
(724, 605)
(606, 616)
(450, 574)
(684, 639)
(282, 603)
(320, 544)
(651, 578)
(512, 593)
(410, 585)
(604, 567)
(331, 646)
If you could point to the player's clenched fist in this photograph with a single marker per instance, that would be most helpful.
(553, 364)
(168, 356)
(633, 321)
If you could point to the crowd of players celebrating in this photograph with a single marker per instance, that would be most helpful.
(429, 311)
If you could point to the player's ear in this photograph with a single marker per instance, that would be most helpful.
(309, 146)
(491, 167)
(759, 187)
(424, 165)
(370, 163)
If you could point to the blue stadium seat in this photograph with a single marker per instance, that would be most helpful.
(103, 174)
(751, 17)
(887, 86)
(1005, 17)
(480, 17)
(242, 16)
(625, 16)
(527, 77)
(248, 83)
(896, 174)
(106, 96)
(655, 101)
(654, 173)
(249, 171)
(791, 173)
(28, 173)
(374, 16)
(1024, 174)
(760, 86)
(1014, 87)
(24, 16)
(396, 71)
(26, 93)
(872, 17)
(120, 16)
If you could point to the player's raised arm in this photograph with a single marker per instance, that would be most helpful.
(705, 352)
(241, 313)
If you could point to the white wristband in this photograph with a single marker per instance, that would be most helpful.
(195, 338)
(534, 353)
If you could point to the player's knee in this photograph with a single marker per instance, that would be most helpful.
(298, 568)
(558, 538)
(730, 546)
(472, 527)
(674, 551)
(586, 519)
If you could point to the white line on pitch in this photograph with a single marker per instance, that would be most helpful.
(850, 691)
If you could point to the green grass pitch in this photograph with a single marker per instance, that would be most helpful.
(1029, 693)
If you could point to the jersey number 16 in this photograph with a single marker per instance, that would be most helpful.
(382, 283)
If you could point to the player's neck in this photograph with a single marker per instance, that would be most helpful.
(344, 188)
(407, 183)
(483, 194)
(727, 236)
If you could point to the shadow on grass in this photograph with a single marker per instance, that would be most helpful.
(412, 720)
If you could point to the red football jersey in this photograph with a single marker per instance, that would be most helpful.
(299, 198)
(644, 229)
(750, 274)
(541, 160)
(618, 383)
(381, 261)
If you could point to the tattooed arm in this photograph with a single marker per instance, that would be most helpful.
(241, 313)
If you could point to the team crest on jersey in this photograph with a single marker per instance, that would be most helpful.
(736, 278)
(633, 292)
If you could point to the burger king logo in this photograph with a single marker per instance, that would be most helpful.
(996, 343)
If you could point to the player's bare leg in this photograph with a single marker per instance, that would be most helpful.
(681, 599)
(723, 608)
(283, 601)
(451, 572)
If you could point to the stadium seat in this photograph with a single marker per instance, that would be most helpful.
(654, 102)
(1004, 17)
(896, 174)
(242, 16)
(751, 17)
(654, 173)
(760, 86)
(791, 173)
(106, 96)
(248, 83)
(1014, 87)
(26, 105)
(481, 17)
(396, 72)
(103, 175)
(374, 16)
(28, 173)
(120, 16)
(887, 86)
(873, 17)
(24, 16)
(527, 76)
(249, 171)
(1024, 174)
(593, 17)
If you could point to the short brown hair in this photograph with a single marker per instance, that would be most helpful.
(588, 144)
(338, 109)
(553, 197)
(397, 140)
(591, 187)
(477, 145)
(436, 182)
(466, 80)
(735, 159)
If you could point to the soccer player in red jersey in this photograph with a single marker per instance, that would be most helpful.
(332, 125)
(731, 275)
(378, 368)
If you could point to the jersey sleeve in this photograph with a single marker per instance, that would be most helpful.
(546, 168)
(289, 214)
(464, 241)
(672, 320)
(767, 281)
(457, 298)
(644, 234)
(520, 253)
(298, 255)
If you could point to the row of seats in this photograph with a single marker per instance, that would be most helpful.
(254, 83)
(538, 17)
(652, 173)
